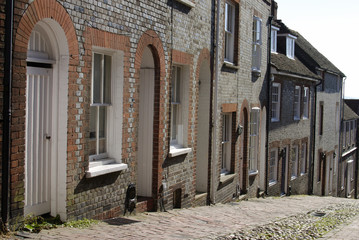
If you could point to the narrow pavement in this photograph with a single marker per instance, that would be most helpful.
(206, 222)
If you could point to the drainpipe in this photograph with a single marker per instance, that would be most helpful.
(311, 170)
(340, 148)
(269, 51)
(7, 110)
(215, 107)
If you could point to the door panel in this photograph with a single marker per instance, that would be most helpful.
(38, 140)
(145, 132)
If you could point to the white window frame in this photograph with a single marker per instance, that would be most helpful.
(290, 43)
(350, 176)
(297, 101)
(273, 166)
(347, 134)
(352, 133)
(306, 96)
(114, 107)
(294, 158)
(179, 113)
(274, 33)
(276, 104)
(256, 44)
(229, 28)
(254, 140)
(304, 159)
(226, 143)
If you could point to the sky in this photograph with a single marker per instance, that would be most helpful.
(332, 27)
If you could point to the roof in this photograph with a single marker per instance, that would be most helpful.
(307, 53)
(353, 104)
(349, 113)
(284, 64)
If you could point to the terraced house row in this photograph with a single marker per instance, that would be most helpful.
(113, 105)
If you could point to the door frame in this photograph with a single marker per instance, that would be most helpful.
(60, 68)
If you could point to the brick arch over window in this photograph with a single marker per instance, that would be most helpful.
(35, 12)
(151, 40)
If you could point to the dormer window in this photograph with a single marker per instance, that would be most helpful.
(290, 45)
(274, 32)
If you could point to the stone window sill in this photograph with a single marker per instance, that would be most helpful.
(174, 152)
(272, 183)
(188, 3)
(104, 166)
(293, 177)
(226, 178)
(230, 65)
(253, 173)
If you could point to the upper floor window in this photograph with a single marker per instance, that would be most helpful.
(226, 143)
(297, 103)
(254, 140)
(290, 46)
(275, 102)
(306, 102)
(257, 44)
(274, 32)
(229, 27)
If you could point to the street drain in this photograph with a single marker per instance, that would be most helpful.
(318, 214)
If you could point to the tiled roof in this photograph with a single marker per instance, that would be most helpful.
(349, 113)
(293, 66)
(307, 53)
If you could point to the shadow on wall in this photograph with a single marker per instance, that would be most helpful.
(91, 183)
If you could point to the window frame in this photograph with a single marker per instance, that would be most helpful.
(278, 103)
(321, 118)
(179, 114)
(297, 101)
(306, 96)
(256, 44)
(254, 123)
(226, 143)
(273, 169)
(304, 158)
(274, 38)
(229, 34)
(290, 46)
(295, 160)
(104, 102)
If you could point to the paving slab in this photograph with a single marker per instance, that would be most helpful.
(206, 222)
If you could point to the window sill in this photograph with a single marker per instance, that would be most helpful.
(272, 183)
(302, 174)
(274, 120)
(256, 72)
(105, 166)
(188, 3)
(226, 178)
(174, 152)
(253, 173)
(293, 178)
(230, 65)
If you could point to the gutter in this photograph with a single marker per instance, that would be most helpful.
(9, 21)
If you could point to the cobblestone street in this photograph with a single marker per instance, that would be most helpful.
(207, 222)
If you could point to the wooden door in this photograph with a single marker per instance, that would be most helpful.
(145, 132)
(38, 140)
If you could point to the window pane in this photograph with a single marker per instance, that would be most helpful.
(178, 85)
(107, 79)
(102, 129)
(174, 122)
(93, 120)
(97, 75)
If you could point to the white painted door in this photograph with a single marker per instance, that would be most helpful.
(38, 140)
(145, 133)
